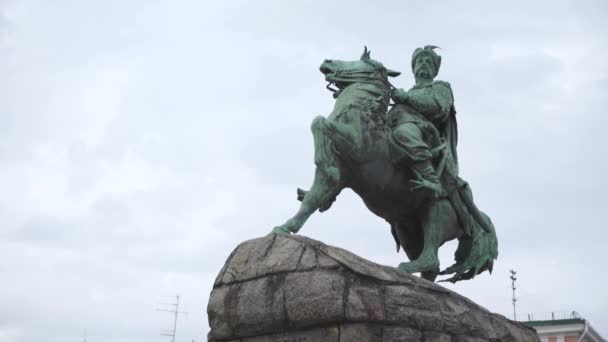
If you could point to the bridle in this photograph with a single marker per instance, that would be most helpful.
(359, 76)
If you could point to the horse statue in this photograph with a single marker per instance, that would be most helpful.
(352, 150)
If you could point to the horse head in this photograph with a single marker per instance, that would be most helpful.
(365, 70)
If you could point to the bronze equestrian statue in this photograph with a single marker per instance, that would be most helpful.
(402, 162)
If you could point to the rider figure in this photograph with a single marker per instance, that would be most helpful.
(424, 138)
(420, 135)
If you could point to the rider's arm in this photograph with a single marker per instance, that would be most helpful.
(399, 96)
(434, 104)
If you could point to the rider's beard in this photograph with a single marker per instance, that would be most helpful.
(423, 73)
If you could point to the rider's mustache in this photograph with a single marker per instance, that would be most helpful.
(423, 67)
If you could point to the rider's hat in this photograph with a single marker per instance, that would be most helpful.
(429, 51)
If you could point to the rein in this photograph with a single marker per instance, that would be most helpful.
(356, 77)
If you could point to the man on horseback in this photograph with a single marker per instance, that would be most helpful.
(424, 136)
(420, 135)
(408, 175)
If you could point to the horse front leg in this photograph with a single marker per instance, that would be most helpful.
(324, 189)
(327, 183)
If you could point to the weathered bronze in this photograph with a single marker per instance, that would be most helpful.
(402, 163)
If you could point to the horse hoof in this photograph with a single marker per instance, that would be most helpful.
(419, 265)
(280, 231)
(406, 267)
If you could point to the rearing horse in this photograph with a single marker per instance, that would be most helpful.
(352, 151)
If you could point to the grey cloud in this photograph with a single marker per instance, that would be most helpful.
(139, 148)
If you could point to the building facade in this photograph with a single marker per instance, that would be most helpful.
(564, 328)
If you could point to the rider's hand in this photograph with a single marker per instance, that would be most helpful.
(400, 96)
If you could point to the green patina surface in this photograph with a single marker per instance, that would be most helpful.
(402, 162)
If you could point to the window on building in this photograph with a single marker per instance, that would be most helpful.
(571, 338)
(552, 339)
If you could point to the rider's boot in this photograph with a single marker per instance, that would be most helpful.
(427, 179)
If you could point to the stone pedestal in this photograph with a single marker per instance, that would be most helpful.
(295, 289)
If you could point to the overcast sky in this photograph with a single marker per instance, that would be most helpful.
(141, 141)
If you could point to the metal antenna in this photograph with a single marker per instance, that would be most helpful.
(513, 279)
(175, 311)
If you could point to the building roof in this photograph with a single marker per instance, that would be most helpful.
(554, 322)
(561, 324)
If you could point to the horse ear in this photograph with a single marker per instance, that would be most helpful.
(365, 56)
(392, 73)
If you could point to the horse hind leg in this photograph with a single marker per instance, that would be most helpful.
(436, 224)
(430, 275)
(326, 184)
(411, 239)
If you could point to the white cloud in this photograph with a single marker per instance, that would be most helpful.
(138, 147)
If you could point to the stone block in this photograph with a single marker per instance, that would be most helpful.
(432, 336)
(314, 297)
(466, 338)
(462, 318)
(364, 302)
(283, 257)
(401, 334)
(326, 262)
(249, 308)
(246, 260)
(324, 334)
(308, 259)
(412, 307)
(362, 332)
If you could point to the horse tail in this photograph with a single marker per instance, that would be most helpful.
(475, 253)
